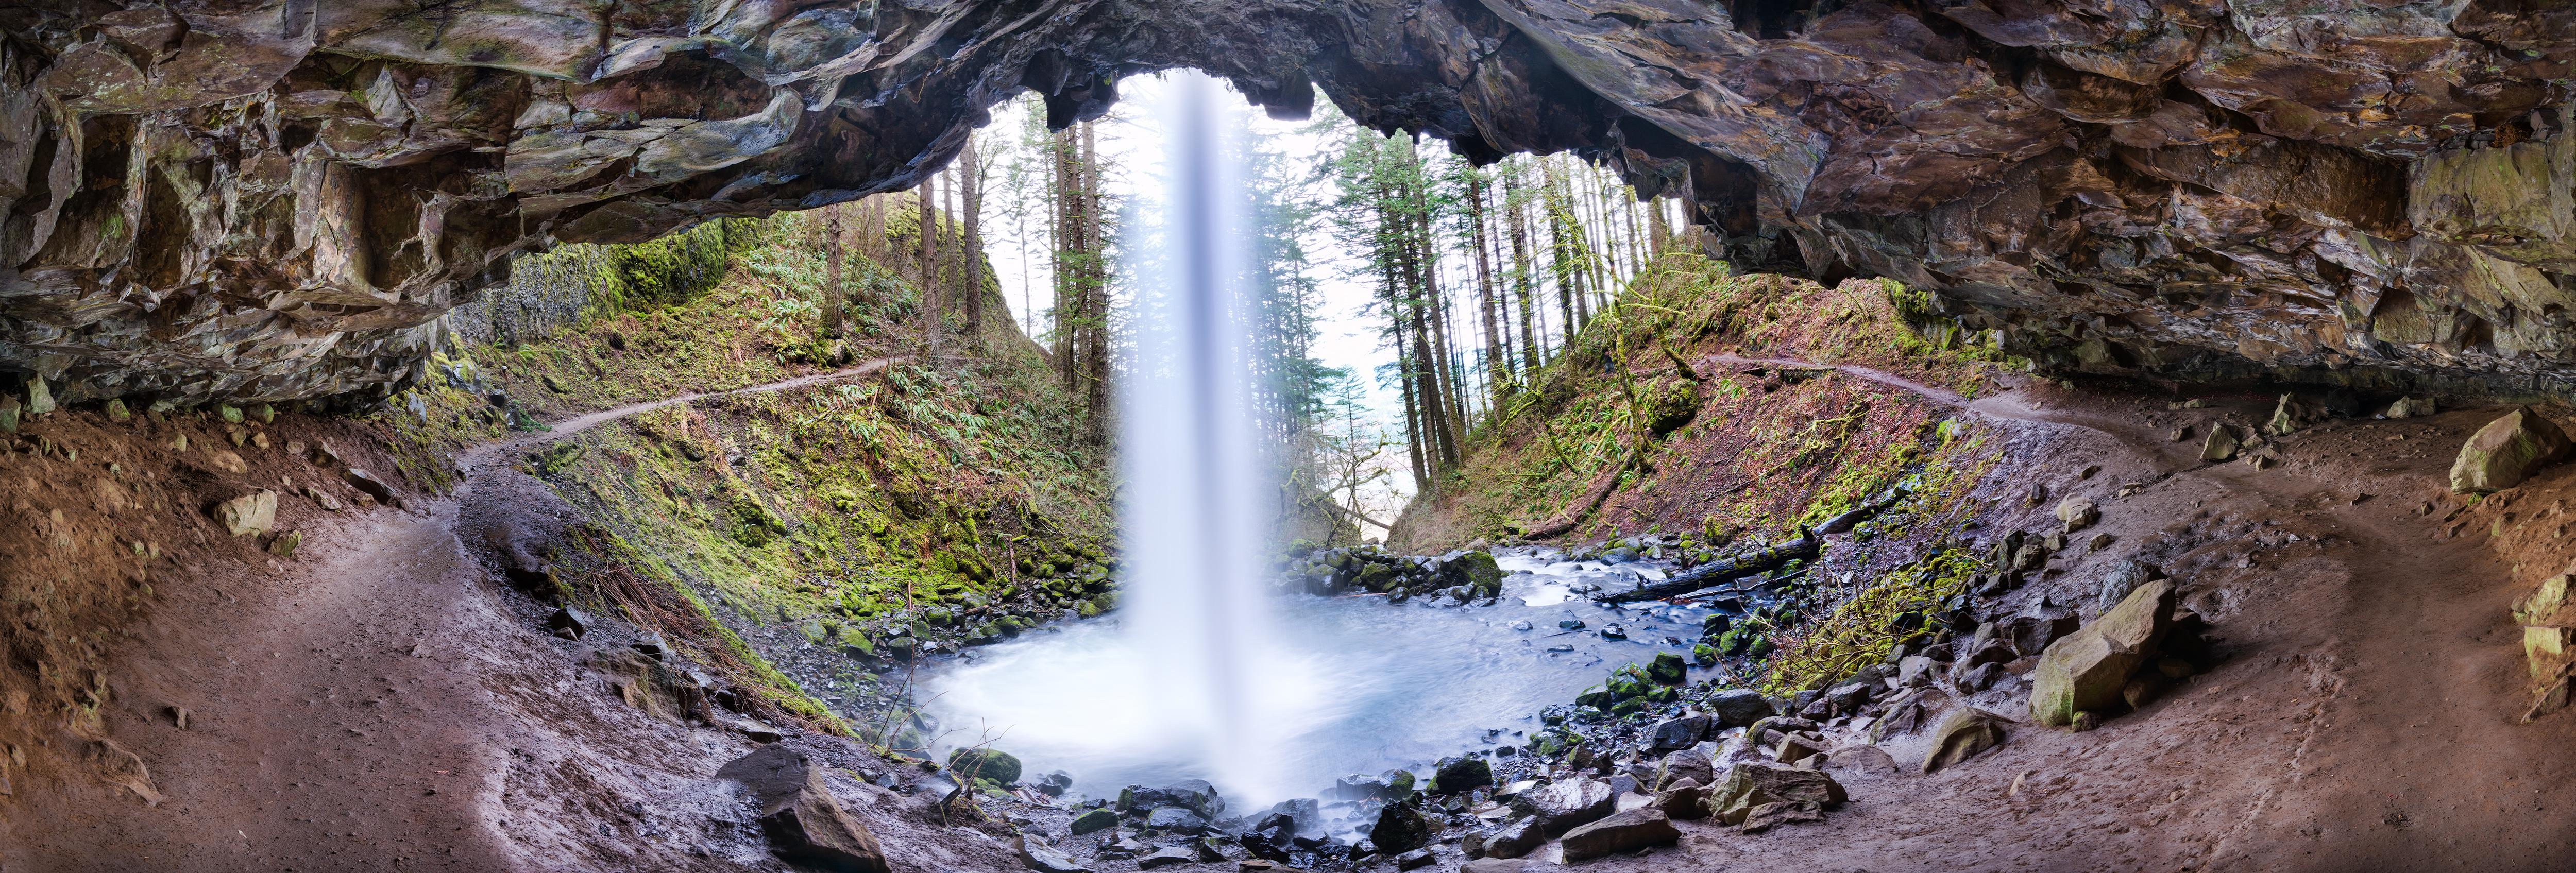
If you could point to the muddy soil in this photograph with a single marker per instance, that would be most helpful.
(382, 702)
(385, 701)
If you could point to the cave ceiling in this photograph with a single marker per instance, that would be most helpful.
(277, 200)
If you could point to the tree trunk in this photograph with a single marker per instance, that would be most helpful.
(1655, 230)
(1097, 313)
(1060, 194)
(927, 228)
(1497, 372)
(974, 256)
(1516, 212)
(829, 324)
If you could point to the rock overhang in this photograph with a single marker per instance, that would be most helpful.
(272, 201)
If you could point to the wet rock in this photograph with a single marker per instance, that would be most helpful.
(1668, 669)
(1962, 735)
(2078, 512)
(1737, 707)
(1124, 847)
(1175, 820)
(1613, 632)
(1195, 795)
(1751, 785)
(1848, 699)
(1562, 805)
(1460, 774)
(2506, 451)
(804, 823)
(1415, 860)
(249, 514)
(2088, 668)
(1036, 856)
(1093, 821)
(1167, 857)
(1474, 571)
(1679, 733)
(1402, 827)
(1514, 839)
(1624, 832)
(994, 765)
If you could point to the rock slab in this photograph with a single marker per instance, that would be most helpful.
(804, 822)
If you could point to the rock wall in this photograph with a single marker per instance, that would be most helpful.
(273, 199)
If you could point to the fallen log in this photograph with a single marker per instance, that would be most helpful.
(1806, 547)
(1602, 485)
(1845, 522)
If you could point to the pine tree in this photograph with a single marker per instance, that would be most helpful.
(828, 324)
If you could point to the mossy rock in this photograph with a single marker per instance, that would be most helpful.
(994, 765)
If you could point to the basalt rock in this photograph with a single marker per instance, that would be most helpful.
(276, 199)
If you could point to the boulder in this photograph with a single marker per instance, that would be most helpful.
(1794, 748)
(1194, 795)
(2506, 451)
(1514, 839)
(1962, 735)
(2221, 444)
(1751, 785)
(1461, 774)
(1175, 820)
(804, 823)
(2410, 407)
(2031, 632)
(1475, 571)
(2087, 669)
(251, 514)
(1402, 828)
(1036, 856)
(1679, 733)
(2078, 512)
(1685, 798)
(2123, 577)
(1273, 838)
(1686, 764)
(994, 765)
(1859, 758)
(1625, 832)
(1668, 669)
(1564, 805)
(1166, 857)
(1737, 707)
(1095, 820)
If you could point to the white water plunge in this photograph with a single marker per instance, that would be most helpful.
(1198, 684)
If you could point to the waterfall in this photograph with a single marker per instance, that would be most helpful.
(1192, 511)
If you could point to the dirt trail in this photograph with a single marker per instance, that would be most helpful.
(2366, 715)
(375, 707)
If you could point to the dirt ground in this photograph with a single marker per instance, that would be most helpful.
(382, 702)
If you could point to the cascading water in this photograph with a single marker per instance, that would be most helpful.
(1201, 673)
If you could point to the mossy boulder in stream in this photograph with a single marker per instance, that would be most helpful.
(988, 765)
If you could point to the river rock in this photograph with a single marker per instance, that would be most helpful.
(1514, 839)
(1272, 838)
(1962, 735)
(2506, 451)
(1475, 571)
(1175, 820)
(1624, 832)
(1753, 784)
(995, 765)
(1563, 805)
(1679, 733)
(1402, 827)
(1691, 764)
(2088, 668)
(2078, 512)
(1166, 857)
(1036, 856)
(251, 514)
(1455, 775)
(1737, 707)
(1095, 820)
(1194, 795)
(804, 823)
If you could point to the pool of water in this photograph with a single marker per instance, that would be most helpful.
(1351, 684)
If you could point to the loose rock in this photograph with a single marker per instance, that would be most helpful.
(1751, 785)
(1564, 805)
(1962, 735)
(252, 513)
(2088, 668)
(2506, 451)
(2078, 512)
(1624, 832)
(804, 823)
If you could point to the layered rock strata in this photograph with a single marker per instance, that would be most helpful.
(277, 199)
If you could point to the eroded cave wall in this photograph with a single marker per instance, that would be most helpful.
(275, 200)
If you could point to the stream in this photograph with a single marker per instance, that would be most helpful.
(1354, 685)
